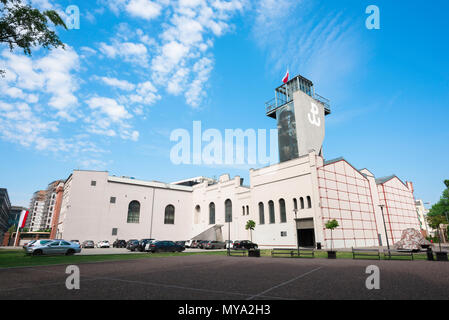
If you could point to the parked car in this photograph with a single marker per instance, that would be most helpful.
(88, 244)
(53, 247)
(215, 245)
(244, 244)
(132, 245)
(229, 244)
(165, 246)
(143, 243)
(181, 243)
(28, 244)
(103, 244)
(119, 244)
(202, 244)
(188, 243)
(36, 242)
(195, 243)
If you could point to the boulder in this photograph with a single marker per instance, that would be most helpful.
(411, 239)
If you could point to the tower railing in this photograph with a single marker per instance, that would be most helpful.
(278, 102)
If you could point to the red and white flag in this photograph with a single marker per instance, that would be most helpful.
(285, 79)
(23, 218)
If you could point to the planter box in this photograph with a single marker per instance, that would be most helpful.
(254, 253)
(441, 256)
(332, 254)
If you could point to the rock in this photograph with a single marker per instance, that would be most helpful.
(411, 239)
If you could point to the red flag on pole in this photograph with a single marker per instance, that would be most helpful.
(285, 79)
(23, 219)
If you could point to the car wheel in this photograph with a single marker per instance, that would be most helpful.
(37, 253)
(70, 252)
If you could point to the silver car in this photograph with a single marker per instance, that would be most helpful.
(53, 247)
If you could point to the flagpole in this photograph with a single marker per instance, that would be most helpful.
(17, 233)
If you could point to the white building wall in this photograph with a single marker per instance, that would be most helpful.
(288, 180)
(337, 191)
(88, 214)
(400, 211)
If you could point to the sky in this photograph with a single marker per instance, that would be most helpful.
(136, 70)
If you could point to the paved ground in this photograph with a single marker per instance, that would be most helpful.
(230, 278)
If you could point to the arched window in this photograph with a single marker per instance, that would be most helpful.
(228, 211)
(247, 210)
(301, 203)
(243, 210)
(261, 214)
(295, 204)
(271, 211)
(309, 202)
(169, 214)
(282, 210)
(133, 212)
(211, 213)
(196, 217)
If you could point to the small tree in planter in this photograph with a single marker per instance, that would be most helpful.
(331, 225)
(435, 222)
(250, 225)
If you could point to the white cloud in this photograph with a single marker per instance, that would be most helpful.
(325, 48)
(52, 74)
(109, 107)
(182, 64)
(135, 53)
(144, 9)
(121, 84)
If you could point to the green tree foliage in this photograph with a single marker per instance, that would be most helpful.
(331, 225)
(25, 27)
(250, 225)
(437, 214)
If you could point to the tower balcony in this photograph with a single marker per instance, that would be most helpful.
(284, 95)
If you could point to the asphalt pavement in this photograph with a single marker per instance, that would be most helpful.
(205, 277)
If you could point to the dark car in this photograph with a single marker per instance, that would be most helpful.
(143, 243)
(132, 245)
(215, 245)
(244, 244)
(88, 244)
(165, 246)
(119, 244)
(202, 244)
(181, 243)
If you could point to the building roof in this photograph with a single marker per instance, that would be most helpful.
(334, 160)
(385, 179)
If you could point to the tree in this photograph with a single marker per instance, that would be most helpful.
(440, 210)
(331, 225)
(26, 27)
(12, 229)
(250, 225)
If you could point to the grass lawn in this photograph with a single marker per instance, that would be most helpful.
(17, 258)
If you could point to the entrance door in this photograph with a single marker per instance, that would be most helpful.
(306, 232)
(306, 237)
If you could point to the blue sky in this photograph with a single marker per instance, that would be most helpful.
(138, 69)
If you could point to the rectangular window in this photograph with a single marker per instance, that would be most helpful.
(112, 200)
(93, 183)
(283, 233)
(114, 231)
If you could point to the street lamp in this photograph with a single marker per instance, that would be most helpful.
(385, 226)
(296, 229)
